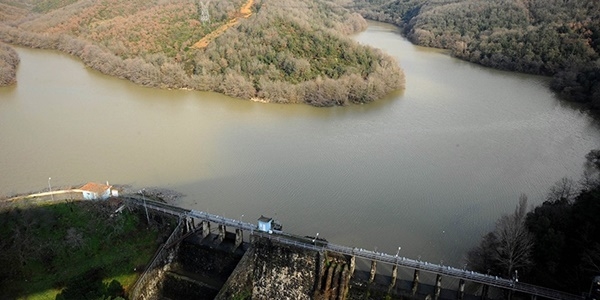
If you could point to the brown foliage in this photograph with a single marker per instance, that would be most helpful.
(11, 13)
(236, 85)
(9, 60)
(279, 54)
(549, 37)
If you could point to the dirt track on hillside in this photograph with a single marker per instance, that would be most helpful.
(245, 12)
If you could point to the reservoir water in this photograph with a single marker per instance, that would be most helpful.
(429, 169)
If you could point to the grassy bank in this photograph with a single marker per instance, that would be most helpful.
(74, 246)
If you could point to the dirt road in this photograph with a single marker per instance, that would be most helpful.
(245, 12)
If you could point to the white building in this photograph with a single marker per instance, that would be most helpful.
(265, 224)
(98, 191)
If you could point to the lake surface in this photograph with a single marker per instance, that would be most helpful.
(429, 169)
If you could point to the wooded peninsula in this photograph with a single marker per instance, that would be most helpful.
(559, 38)
(280, 51)
(299, 51)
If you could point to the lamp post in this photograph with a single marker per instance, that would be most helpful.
(315, 239)
(50, 188)
(398, 252)
(241, 218)
(145, 208)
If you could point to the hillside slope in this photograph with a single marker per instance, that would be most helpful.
(549, 37)
(9, 60)
(285, 51)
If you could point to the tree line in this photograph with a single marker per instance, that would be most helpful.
(292, 57)
(286, 52)
(9, 60)
(556, 244)
(548, 37)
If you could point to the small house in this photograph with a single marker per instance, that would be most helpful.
(98, 191)
(265, 224)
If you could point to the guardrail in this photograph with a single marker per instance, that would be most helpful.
(158, 258)
(294, 240)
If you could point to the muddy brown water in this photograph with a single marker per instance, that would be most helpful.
(429, 169)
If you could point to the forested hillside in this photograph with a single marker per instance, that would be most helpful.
(285, 51)
(557, 244)
(9, 60)
(549, 37)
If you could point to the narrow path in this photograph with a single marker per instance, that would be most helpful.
(245, 12)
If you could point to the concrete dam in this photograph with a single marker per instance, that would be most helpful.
(211, 257)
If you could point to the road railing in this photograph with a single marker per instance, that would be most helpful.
(304, 242)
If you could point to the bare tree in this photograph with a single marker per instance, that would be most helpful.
(591, 258)
(514, 240)
(564, 190)
(508, 247)
(74, 238)
(591, 174)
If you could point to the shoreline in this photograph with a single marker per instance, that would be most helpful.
(310, 75)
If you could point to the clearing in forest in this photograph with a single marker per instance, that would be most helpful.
(245, 12)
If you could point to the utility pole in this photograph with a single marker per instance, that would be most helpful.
(204, 15)
(145, 208)
(50, 188)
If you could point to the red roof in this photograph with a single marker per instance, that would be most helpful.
(97, 188)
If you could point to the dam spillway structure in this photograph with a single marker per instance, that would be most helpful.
(313, 268)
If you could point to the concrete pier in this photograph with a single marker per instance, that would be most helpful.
(484, 292)
(322, 271)
(333, 280)
(205, 228)
(239, 238)
(438, 287)
(344, 283)
(329, 277)
(189, 225)
(394, 276)
(373, 271)
(221, 235)
(461, 289)
(186, 225)
(335, 284)
(415, 284)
